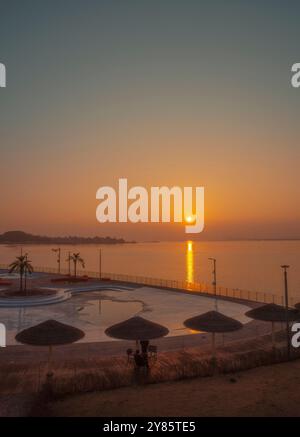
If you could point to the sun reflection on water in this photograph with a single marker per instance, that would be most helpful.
(189, 262)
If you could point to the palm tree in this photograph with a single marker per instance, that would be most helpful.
(22, 265)
(76, 258)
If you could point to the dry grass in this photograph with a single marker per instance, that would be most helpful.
(272, 391)
(87, 375)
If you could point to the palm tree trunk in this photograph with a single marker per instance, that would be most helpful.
(75, 268)
(21, 282)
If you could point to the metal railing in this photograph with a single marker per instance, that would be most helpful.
(194, 287)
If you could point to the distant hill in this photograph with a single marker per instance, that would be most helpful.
(18, 237)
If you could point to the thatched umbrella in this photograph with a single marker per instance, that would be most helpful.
(273, 313)
(49, 333)
(137, 329)
(213, 322)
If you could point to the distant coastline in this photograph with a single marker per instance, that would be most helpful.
(20, 237)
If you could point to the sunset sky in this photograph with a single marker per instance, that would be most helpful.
(187, 93)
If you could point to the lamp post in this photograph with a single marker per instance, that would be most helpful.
(214, 282)
(286, 294)
(58, 251)
(69, 262)
(100, 264)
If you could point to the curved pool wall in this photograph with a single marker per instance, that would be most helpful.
(61, 295)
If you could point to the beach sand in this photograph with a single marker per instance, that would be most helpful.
(265, 391)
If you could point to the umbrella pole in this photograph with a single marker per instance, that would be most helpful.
(49, 361)
(273, 336)
(213, 345)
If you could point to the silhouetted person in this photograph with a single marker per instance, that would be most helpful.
(139, 360)
(144, 346)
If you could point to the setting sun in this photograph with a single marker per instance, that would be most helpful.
(190, 219)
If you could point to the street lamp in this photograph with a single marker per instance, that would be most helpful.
(214, 282)
(58, 251)
(100, 264)
(285, 268)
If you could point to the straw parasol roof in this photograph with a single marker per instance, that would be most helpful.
(136, 328)
(273, 313)
(213, 322)
(49, 333)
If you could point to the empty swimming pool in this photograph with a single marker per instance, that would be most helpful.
(94, 311)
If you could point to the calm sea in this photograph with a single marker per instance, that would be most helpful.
(250, 265)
